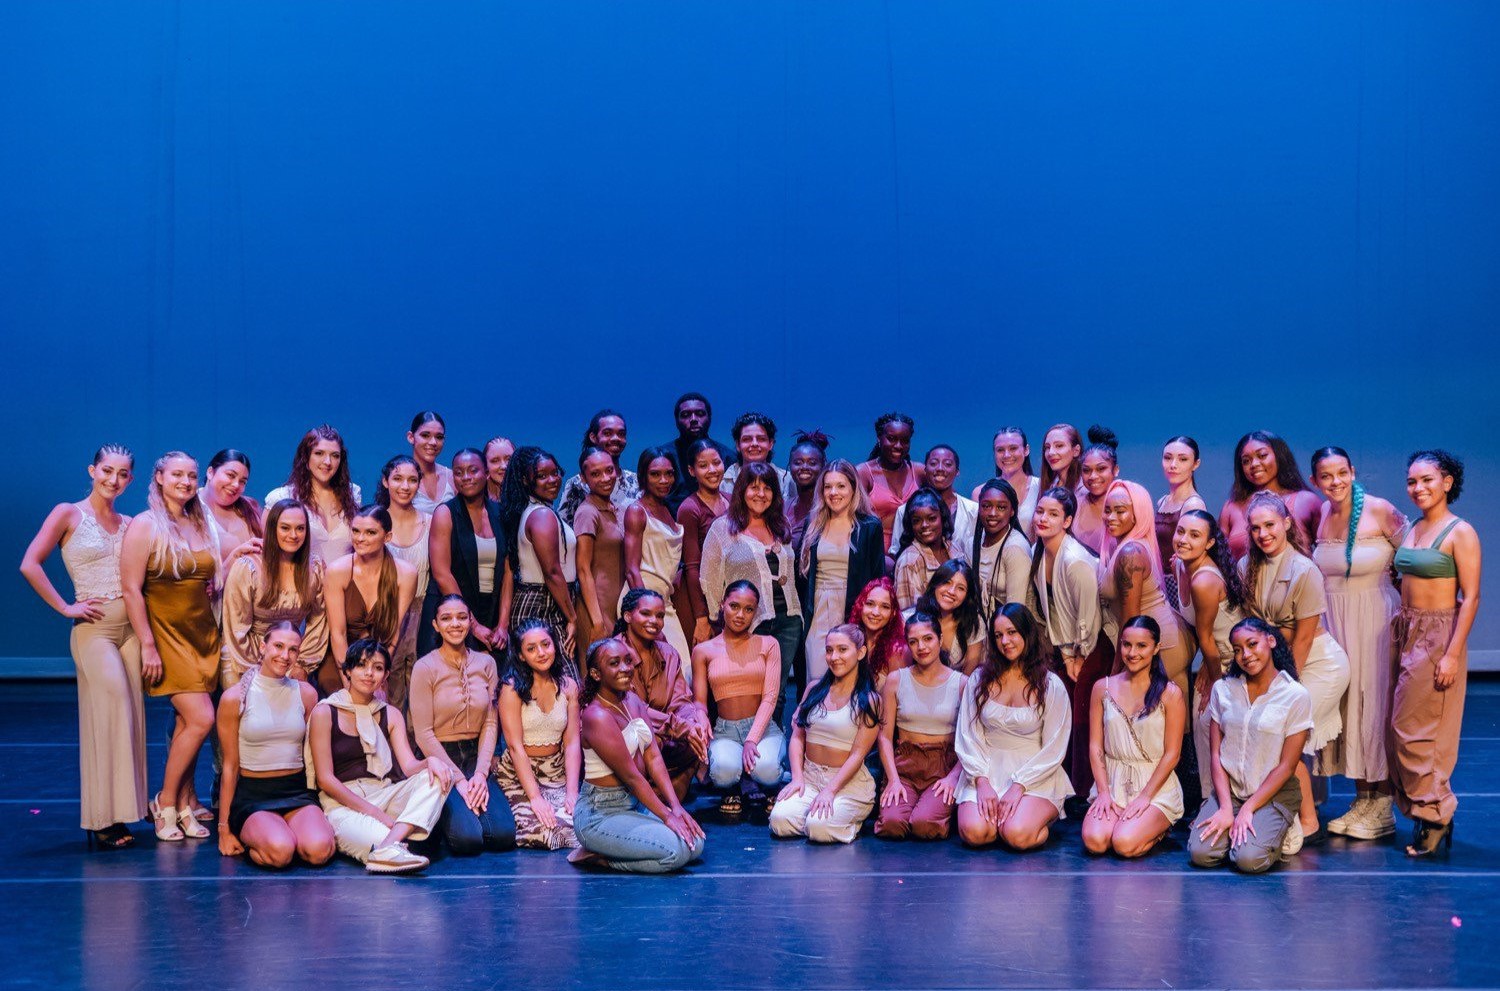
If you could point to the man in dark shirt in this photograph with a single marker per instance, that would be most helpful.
(693, 414)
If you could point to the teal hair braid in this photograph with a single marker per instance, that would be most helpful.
(1356, 510)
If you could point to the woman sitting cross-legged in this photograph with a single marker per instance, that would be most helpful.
(741, 669)
(1013, 731)
(539, 718)
(1259, 720)
(1136, 722)
(628, 815)
(376, 794)
(266, 808)
(831, 791)
(452, 697)
(919, 716)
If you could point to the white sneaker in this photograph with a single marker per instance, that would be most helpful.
(394, 858)
(1292, 843)
(1376, 820)
(1352, 817)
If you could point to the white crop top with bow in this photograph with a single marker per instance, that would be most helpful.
(637, 734)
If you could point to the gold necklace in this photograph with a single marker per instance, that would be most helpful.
(611, 705)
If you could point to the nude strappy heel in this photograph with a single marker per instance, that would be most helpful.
(164, 818)
(191, 825)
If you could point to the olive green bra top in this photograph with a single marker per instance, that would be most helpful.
(1428, 562)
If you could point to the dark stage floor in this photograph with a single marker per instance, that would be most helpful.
(753, 914)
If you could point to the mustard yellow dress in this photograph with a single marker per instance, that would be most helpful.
(182, 623)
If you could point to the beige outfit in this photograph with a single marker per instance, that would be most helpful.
(107, 658)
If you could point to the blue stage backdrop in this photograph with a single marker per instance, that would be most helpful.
(224, 222)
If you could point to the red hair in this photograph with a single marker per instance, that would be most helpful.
(892, 638)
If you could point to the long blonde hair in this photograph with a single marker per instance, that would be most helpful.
(167, 539)
(817, 520)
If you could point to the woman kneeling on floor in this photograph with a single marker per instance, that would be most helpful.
(1136, 722)
(1014, 728)
(831, 791)
(919, 714)
(376, 793)
(628, 815)
(539, 717)
(266, 808)
(1259, 720)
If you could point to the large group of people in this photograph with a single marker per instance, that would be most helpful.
(498, 651)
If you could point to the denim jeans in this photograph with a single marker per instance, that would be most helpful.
(467, 833)
(726, 753)
(788, 633)
(612, 824)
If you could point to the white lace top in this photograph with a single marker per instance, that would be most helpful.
(540, 728)
(92, 556)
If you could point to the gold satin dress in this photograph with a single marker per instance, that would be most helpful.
(182, 623)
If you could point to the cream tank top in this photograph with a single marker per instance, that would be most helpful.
(530, 567)
(832, 728)
(273, 724)
(928, 711)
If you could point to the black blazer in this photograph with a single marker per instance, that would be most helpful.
(464, 554)
(866, 563)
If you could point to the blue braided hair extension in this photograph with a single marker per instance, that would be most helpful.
(1356, 510)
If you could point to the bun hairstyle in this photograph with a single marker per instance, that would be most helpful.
(1102, 441)
(811, 438)
(1446, 463)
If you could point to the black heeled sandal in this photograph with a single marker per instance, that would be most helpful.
(116, 837)
(1427, 837)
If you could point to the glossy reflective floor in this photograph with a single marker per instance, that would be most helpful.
(753, 914)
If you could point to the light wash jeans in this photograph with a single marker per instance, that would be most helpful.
(612, 824)
(726, 753)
